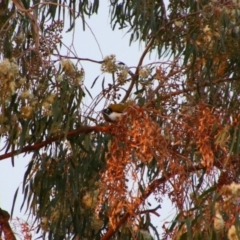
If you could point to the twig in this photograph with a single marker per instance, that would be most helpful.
(153, 211)
(36, 146)
(78, 58)
(136, 74)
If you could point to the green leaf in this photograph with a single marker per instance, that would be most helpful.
(26, 3)
(25, 196)
(188, 223)
(89, 93)
(29, 169)
(95, 81)
(174, 222)
(14, 200)
(95, 6)
(22, 141)
(184, 236)
(53, 8)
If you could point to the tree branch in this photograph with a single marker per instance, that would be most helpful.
(5, 226)
(136, 74)
(36, 146)
(153, 211)
(78, 58)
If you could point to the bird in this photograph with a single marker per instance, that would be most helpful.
(114, 112)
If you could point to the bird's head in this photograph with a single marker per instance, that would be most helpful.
(114, 112)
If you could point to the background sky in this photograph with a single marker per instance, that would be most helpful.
(111, 42)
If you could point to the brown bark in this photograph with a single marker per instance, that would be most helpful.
(37, 146)
(5, 226)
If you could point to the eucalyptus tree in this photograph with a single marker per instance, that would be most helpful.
(179, 137)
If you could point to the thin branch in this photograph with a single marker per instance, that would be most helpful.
(37, 146)
(153, 211)
(78, 58)
(136, 74)
(99, 47)
(5, 226)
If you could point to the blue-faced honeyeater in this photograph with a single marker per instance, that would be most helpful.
(114, 112)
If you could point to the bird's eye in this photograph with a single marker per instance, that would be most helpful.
(107, 111)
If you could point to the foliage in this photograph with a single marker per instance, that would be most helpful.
(179, 137)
